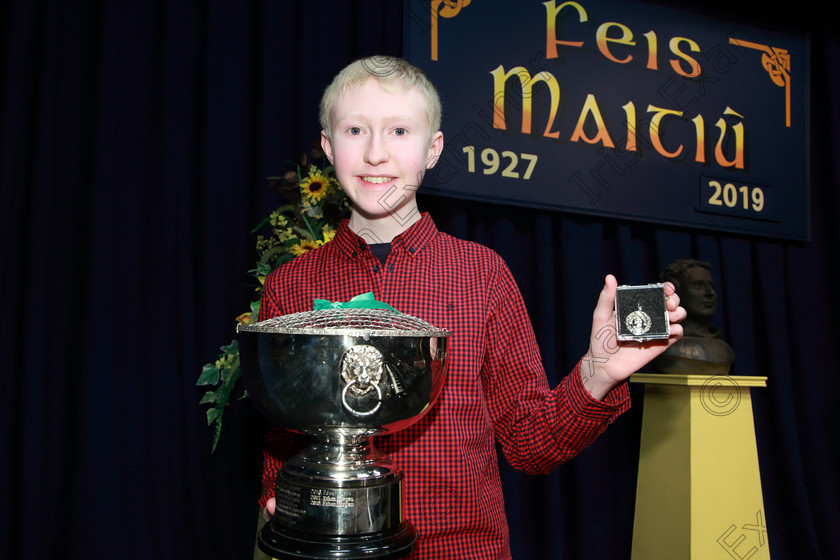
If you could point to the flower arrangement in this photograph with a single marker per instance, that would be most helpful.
(313, 205)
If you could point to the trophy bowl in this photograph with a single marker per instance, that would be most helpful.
(341, 376)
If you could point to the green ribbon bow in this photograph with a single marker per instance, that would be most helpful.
(361, 301)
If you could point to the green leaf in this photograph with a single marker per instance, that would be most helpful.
(228, 382)
(304, 233)
(285, 258)
(228, 372)
(217, 435)
(309, 228)
(232, 348)
(261, 224)
(266, 257)
(213, 415)
(263, 268)
(209, 397)
(286, 209)
(209, 375)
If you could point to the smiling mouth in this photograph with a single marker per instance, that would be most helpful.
(377, 180)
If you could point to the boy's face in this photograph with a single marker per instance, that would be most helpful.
(381, 146)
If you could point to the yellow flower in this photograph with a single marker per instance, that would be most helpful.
(224, 361)
(314, 186)
(304, 246)
(278, 220)
(244, 319)
(284, 235)
(327, 233)
(265, 244)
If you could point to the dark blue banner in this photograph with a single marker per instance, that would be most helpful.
(619, 108)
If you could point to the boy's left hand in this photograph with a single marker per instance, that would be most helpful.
(608, 361)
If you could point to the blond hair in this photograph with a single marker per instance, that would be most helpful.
(388, 71)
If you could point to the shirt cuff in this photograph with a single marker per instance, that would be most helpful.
(615, 403)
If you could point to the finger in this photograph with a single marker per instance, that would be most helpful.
(606, 300)
(268, 510)
(676, 333)
(672, 299)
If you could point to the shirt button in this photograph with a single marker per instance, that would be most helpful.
(376, 269)
(390, 268)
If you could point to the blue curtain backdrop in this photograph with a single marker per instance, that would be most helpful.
(136, 139)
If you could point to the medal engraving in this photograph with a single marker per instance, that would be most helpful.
(638, 322)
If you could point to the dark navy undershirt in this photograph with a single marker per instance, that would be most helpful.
(381, 251)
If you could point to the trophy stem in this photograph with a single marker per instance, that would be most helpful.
(339, 498)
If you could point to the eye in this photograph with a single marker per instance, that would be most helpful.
(399, 131)
(354, 130)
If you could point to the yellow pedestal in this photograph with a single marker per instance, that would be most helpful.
(699, 488)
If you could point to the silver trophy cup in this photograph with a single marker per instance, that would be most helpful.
(341, 376)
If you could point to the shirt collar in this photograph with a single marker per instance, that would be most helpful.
(412, 240)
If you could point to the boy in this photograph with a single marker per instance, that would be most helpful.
(381, 131)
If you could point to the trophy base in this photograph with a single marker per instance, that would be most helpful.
(386, 545)
(340, 499)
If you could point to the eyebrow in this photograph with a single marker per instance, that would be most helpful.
(363, 116)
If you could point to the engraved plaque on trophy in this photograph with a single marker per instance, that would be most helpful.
(341, 376)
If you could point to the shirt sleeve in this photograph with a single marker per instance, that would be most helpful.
(538, 428)
(269, 302)
(280, 444)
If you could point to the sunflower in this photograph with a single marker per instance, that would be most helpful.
(314, 186)
(304, 246)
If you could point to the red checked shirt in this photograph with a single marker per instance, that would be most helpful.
(496, 388)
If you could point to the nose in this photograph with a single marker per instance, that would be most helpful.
(376, 152)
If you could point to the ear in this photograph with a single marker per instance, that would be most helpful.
(435, 149)
(326, 145)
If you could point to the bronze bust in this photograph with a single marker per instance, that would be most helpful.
(700, 350)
